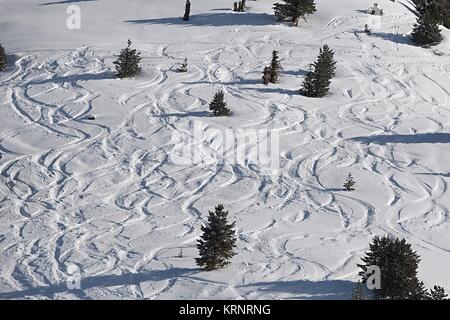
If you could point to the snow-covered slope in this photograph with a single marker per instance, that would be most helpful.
(104, 197)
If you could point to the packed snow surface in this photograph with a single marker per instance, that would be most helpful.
(89, 188)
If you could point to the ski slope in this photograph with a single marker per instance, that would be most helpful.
(104, 199)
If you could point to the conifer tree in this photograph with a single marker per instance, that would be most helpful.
(438, 293)
(317, 82)
(359, 292)
(426, 30)
(3, 59)
(349, 183)
(187, 10)
(127, 63)
(183, 66)
(266, 75)
(275, 67)
(293, 10)
(398, 265)
(235, 6)
(217, 243)
(218, 105)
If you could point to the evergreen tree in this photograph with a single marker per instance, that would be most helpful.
(293, 10)
(127, 63)
(439, 10)
(235, 6)
(3, 59)
(218, 105)
(398, 265)
(438, 293)
(275, 67)
(359, 292)
(240, 9)
(183, 66)
(426, 30)
(266, 75)
(217, 243)
(317, 82)
(349, 183)
(187, 10)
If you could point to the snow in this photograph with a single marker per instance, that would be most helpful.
(103, 196)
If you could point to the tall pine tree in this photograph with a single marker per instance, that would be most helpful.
(127, 63)
(217, 243)
(426, 30)
(3, 59)
(318, 80)
(187, 10)
(293, 10)
(398, 265)
(218, 106)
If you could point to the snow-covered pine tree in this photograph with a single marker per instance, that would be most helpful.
(438, 293)
(217, 243)
(426, 30)
(398, 265)
(183, 66)
(3, 59)
(349, 183)
(275, 67)
(127, 63)
(317, 82)
(218, 106)
(187, 10)
(293, 10)
(359, 292)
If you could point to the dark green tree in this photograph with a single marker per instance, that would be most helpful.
(438, 293)
(187, 10)
(184, 66)
(359, 292)
(218, 106)
(217, 243)
(426, 30)
(318, 80)
(127, 63)
(266, 75)
(398, 265)
(349, 183)
(275, 67)
(293, 10)
(3, 59)
(439, 10)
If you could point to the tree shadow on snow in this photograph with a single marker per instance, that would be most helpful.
(186, 114)
(63, 2)
(405, 138)
(305, 289)
(268, 89)
(76, 77)
(101, 281)
(397, 38)
(214, 20)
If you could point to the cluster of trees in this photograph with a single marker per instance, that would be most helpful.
(318, 79)
(3, 59)
(398, 265)
(394, 257)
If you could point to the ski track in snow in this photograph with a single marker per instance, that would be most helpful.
(106, 197)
